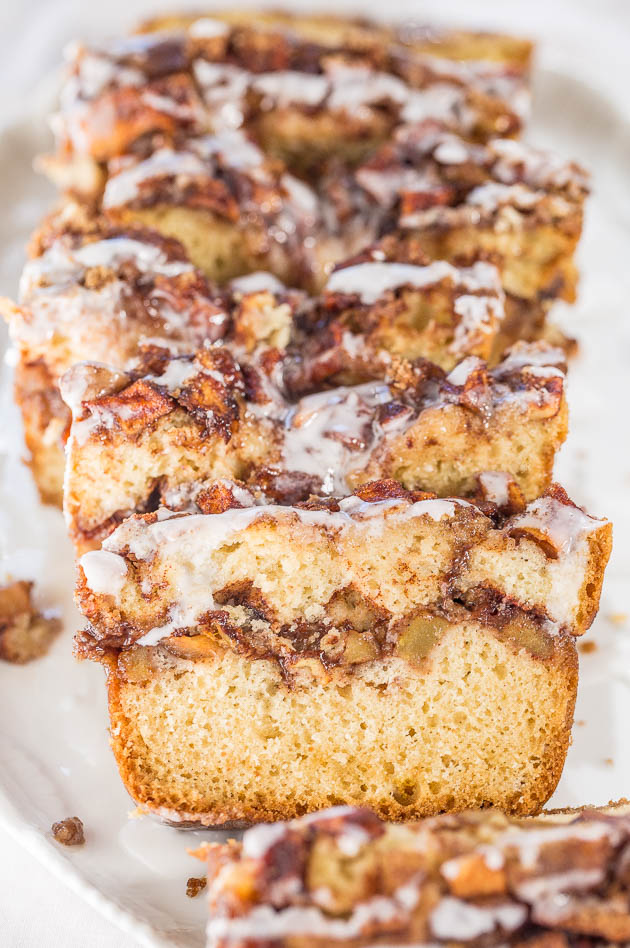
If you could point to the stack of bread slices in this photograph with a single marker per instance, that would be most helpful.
(284, 357)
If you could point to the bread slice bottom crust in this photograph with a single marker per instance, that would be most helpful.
(225, 739)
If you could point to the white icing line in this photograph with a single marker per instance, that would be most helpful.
(495, 486)
(371, 280)
(105, 573)
(207, 28)
(455, 920)
(311, 921)
(188, 534)
(230, 145)
(257, 282)
(566, 526)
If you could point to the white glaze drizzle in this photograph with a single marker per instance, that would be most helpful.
(330, 433)
(540, 169)
(61, 266)
(259, 281)
(230, 145)
(184, 535)
(440, 101)
(311, 921)
(371, 280)
(495, 487)
(122, 188)
(574, 880)
(105, 573)
(528, 842)
(455, 920)
(460, 374)
(208, 28)
(479, 318)
(492, 195)
(224, 89)
(565, 525)
(290, 87)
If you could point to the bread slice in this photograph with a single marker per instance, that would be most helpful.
(98, 293)
(359, 33)
(104, 294)
(505, 198)
(407, 653)
(342, 877)
(178, 423)
(293, 94)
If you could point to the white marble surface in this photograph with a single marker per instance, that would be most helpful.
(582, 83)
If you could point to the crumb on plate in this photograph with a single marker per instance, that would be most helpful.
(587, 648)
(69, 832)
(195, 885)
(25, 633)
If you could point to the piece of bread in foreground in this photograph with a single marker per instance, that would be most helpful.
(145, 439)
(406, 653)
(342, 877)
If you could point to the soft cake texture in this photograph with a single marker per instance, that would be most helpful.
(408, 654)
(224, 738)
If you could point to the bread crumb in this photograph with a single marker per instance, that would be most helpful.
(195, 885)
(137, 813)
(586, 648)
(609, 761)
(580, 723)
(25, 633)
(617, 618)
(69, 832)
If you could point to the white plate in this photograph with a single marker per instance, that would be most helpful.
(54, 755)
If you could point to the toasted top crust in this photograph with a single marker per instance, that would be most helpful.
(471, 878)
